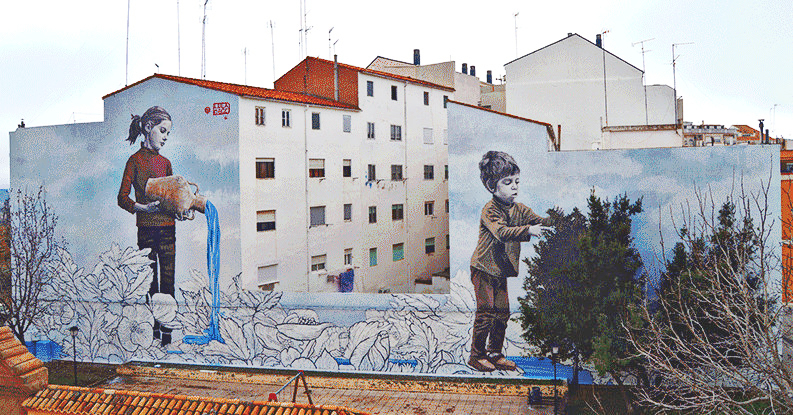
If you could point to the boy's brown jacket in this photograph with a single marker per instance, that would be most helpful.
(502, 228)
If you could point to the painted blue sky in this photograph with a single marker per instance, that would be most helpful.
(667, 180)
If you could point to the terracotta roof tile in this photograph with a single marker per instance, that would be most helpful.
(30, 373)
(78, 401)
(247, 91)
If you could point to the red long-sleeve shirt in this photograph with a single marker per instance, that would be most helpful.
(142, 166)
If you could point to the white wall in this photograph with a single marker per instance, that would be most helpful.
(661, 104)
(563, 84)
(642, 139)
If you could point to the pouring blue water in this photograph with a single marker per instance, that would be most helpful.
(213, 270)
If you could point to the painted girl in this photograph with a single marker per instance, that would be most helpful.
(156, 228)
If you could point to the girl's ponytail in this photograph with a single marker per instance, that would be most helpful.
(135, 129)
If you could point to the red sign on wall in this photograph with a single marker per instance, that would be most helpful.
(221, 108)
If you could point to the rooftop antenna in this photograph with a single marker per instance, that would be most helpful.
(245, 54)
(330, 56)
(300, 32)
(178, 40)
(674, 76)
(306, 28)
(773, 119)
(334, 46)
(516, 34)
(158, 67)
(126, 70)
(272, 47)
(203, 43)
(605, 90)
(644, 83)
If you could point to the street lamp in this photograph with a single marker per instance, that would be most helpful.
(554, 353)
(74, 330)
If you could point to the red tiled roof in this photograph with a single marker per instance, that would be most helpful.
(247, 91)
(70, 400)
(387, 75)
(18, 367)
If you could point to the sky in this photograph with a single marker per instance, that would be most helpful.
(58, 59)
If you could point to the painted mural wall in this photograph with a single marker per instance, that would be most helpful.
(103, 279)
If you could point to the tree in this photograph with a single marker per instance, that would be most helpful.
(32, 249)
(714, 342)
(581, 286)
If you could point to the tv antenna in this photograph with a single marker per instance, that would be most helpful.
(674, 75)
(203, 42)
(272, 47)
(605, 89)
(126, 70)
(330, 56)
(644, 83)
(516, 34)
(178, 41)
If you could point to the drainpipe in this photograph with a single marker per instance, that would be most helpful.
(405, 121)
(308, 208)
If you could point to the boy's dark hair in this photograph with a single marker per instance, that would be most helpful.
(496, 165)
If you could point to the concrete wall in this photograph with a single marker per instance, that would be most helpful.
(642, 138)
(563, 83)
(661, 104)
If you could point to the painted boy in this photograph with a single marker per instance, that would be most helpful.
(504, 224)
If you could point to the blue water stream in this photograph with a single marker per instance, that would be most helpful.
(213, 270)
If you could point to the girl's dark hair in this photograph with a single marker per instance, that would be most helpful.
(152, 116)
(496, 165)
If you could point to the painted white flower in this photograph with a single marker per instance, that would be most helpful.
(135, 330)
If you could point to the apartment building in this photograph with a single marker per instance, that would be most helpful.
(390, 211)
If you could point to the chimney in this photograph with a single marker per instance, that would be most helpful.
(473, 70)
(416, 57)
(489, 77)
(569, 34)
(465, 68)
(335, 77)
(598, 40)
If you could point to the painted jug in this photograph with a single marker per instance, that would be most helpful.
(175, 195)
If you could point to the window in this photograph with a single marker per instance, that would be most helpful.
(316, 167)
(348, 256)
(397, 252)
(429, 245)
(265, 220)
(369, 88)
(346, 168)
(318, 262)
(446, 172)
(265, 168)
(396, 172)
(429, 172)
(259, 115)
(315, 121)
(429, 208)
(372, 214)
(370, 130)
(393, 92)
(396, 132)
(447, 205)
(371, 174)
(447, 241)
(428, 136)
(445, 100)
(346, 124)
(268, 277)
(285, 118)
(397, 212)
(317, 215)
(372, 257)
(426, 98)
(348, 211)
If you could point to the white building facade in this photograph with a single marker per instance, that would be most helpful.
(586, 89)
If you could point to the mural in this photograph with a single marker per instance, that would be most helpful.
(116, 291)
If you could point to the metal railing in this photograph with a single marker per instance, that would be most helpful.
(274, 395)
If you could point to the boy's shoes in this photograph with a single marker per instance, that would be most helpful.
(481, 364)
(500, 362)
